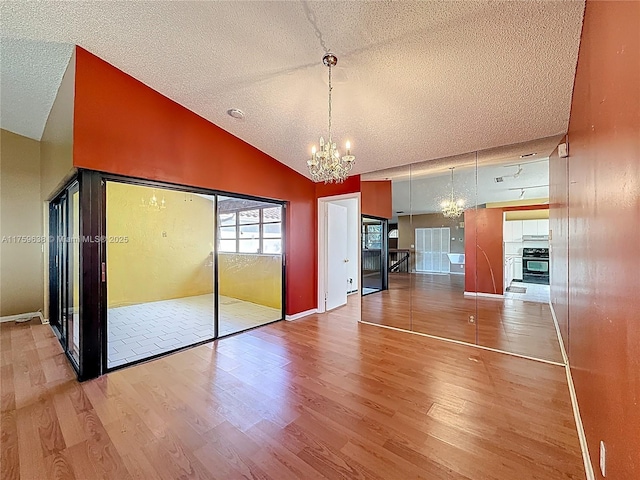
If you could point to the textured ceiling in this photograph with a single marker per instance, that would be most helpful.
(415, 80)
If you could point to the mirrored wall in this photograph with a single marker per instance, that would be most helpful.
(469, 260)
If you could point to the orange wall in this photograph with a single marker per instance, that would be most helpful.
(122, 126)
(483, 233)
(350, 185)
(376, 198)
(602, 221)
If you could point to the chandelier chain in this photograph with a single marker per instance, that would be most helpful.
(330, 88)
(326, 164)
(311, 16)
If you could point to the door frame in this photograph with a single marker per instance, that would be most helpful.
(116, 178)
(57, 256)
(323, 246)
(384, 261)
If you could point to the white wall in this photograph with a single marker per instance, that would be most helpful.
(353, 248)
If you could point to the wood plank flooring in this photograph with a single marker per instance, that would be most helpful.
(436, 305)
(321, 397)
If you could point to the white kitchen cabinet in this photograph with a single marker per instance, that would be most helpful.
(516, 230)
(543, 226)
(508, 271)
(506, 231)
(530, 227)
(512, 231)
(517, 268)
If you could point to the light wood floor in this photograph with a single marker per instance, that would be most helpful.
(436, 305)
(321, 397)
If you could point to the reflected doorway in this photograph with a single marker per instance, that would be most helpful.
(374, 254)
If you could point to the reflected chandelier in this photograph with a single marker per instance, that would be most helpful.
(326, 165)
(452, 208)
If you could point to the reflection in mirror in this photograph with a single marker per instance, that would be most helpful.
(441, 192)
(480, 276)
(391, 306)
(374, 255)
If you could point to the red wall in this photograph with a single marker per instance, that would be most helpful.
(350, 185)
(122, 126)
(376, 198)
(483, 233)
(603, 227)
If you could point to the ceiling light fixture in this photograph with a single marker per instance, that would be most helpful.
(527, 155)
(452, 208)
(326, 165)
(524, 189)
(236, 113)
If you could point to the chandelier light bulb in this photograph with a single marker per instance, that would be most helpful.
(313, 150)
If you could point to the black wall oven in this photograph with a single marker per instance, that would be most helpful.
(535, 265)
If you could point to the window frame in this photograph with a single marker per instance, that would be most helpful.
(260, 223)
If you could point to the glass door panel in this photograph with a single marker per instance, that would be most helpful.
(73, 283)
(64, 228)
(160, 271)
(249, 263)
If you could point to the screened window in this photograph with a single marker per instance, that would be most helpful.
(258, 230)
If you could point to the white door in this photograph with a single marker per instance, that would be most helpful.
(337, 256)
(432, 246)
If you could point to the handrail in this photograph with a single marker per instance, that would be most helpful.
(396, 266)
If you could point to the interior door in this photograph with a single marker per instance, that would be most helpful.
(337, 256)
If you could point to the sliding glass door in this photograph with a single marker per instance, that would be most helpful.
(250, 261)
(186, 267)
(64, 269)
(159, 270)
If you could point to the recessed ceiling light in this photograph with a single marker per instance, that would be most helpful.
(527, 155)
(236, 113)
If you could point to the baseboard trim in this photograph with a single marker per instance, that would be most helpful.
(467, 344)
(482, 294)
(582, 438)
(560, 339)
(23, 316)
(297, 316)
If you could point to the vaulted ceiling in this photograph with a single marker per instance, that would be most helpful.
(415, 80)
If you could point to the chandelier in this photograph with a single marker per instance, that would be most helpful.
(326, 165)
(153, 203)
(452, 208)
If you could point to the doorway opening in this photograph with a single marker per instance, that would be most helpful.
(139, 269)
(374, 254)
(186, 267)
(338, 250)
